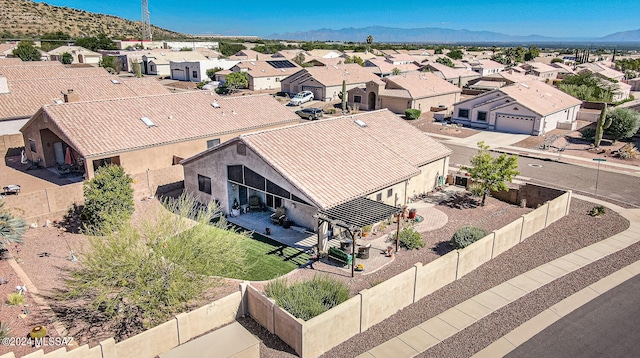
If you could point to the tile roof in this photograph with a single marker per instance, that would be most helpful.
(48, 69)
(113, 126)
(421, 84)
(336, 160)
(258, 69)
(164, 57)
(452, 73)
(333, 75)
(540, 97)
(7, 47)
(11, 61)
(81, 50)
(542, 67)
(385, 66)
(249, 55)
(485, 63)
(25, 97)
(600, 69)
(562, 67)
(401, 57)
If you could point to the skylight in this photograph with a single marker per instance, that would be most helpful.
(215, 104)
(148, 122)
(115, 82)
(360, 123)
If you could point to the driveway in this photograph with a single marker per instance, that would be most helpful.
(492, 139)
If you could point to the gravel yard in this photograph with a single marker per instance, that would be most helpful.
(575, 231)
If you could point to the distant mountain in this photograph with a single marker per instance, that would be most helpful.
(437, 35)
(20, 18)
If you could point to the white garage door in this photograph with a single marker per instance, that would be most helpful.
(514, 124)
(178, 75)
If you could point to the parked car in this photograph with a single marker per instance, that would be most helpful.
(309, 113)
(301, 97)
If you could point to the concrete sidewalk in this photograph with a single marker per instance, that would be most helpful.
(456, 319)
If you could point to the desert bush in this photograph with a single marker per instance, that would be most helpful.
(108, 199)
(15, 299)
(410, 239)
(476, 189)
(5, 331)
(466, 236)
(597, 210)
(627, 151)
(412, 113)
(308, 299)
(588, 134)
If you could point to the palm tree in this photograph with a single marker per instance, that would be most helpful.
(11, 228)
(369, 41)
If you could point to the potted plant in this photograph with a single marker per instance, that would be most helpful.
(366, 230)
(359, 267)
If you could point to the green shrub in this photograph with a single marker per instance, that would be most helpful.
(410, 239)
(201, 84)
(588, 134)
(597, 210)
(412, 113)
(308, 299)
(108, 199)
(466, 236)
(15, 299)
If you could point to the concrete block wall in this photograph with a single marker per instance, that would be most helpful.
(474, 255)
(558, 208)
(507, 237)
(335, 326)
(288, 328)
(260, 308)
(159, 180)
(48, 204)
(215, 314)
(387, 298)
(151, 342)
(435, 275)
(11, 142)
(534, 221)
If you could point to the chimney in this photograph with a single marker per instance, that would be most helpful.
(70, 96)
(4, 87)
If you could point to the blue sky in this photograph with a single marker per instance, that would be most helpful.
(557, 18)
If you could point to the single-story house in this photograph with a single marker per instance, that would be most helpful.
(320, 53)
(531, 107)
(563, 70)
(541, 70)
(456, 76)
(386, 66)
(196, 71)
(418, 90)
(266, 75)
(601, 70)
(319, 165)
(486, 67)
(79, 54)
(145, 133)
(159, 63)
(6, 49)
(249, 55)
(326, 82)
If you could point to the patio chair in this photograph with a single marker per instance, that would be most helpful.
(254, 203)
(279, 216)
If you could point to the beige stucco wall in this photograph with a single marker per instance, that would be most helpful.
(265, 83)
(534, 221)
(507, 237)
(558, 208)
(386, 298)
(474, 255)
(207, 317)
(425, 104)
(395, 105)
(436, 274)
(151, 342)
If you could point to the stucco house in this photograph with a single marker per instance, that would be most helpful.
(266, 75)
(386, 66)
(159, 63)
(319, 165)
(541, 70)
(79, 54)
(486, 67)
(145, 133)
(326, 81)
(600, 69)
(6, 49)
(418, 90)
(456, 76)
(531, 107)
(196, 71)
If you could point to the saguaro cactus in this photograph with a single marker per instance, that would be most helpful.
(344, 96)
(603, 123)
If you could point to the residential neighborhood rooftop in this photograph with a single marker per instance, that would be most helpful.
(422, 84)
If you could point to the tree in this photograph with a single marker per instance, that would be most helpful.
(229, 49)
(396, 71)
(55, 40)
(299, 59)
(532, 53)
(445, 61)
(111, 64)
(587, 87)
(26, 51)
(11, 228)
(354, 59)
(67, 58)
(236, 80)
(108, 200)
(211, 73)
(492, 173)
(624, 123)
(557, 60)
(141, 276)
(455, 54)
(369, 41)
(101, 42)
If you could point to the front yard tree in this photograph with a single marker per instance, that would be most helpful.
(26, 51)
(211, 73)
(624, 123)
(11, 228)
(445, 61)
(236, 80)
(492, 173)
(67, 58)
(108, 200)
(455, 54)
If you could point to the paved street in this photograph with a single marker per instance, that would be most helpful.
(605, 327)
(615, 186)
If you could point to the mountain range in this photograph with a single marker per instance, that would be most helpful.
(440, 35)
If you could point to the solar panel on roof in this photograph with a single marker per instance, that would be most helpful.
(281, 64)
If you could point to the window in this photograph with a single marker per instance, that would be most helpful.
(234, 173)
(379, 197)
(357, 99)
(463, 113)
(482, 116)
(194, 74)
(213, 143)
(204, 184)
(32, 145)
(389, 193)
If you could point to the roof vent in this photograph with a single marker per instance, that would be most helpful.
(283, 70)
(115, 82)
(253, 63)
(148, 122)
(360, 123)
(215, 104)
(334, 66)
(234, 112)
(524, 85)
(58, 101)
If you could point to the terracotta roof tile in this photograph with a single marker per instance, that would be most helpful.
(114, 126)
(421, 84)
(540, 97)
(334, 75)
(336, 160)
(47, 69)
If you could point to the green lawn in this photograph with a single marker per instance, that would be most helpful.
(268, 259)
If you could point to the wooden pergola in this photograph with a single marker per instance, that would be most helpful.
(352, 216)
